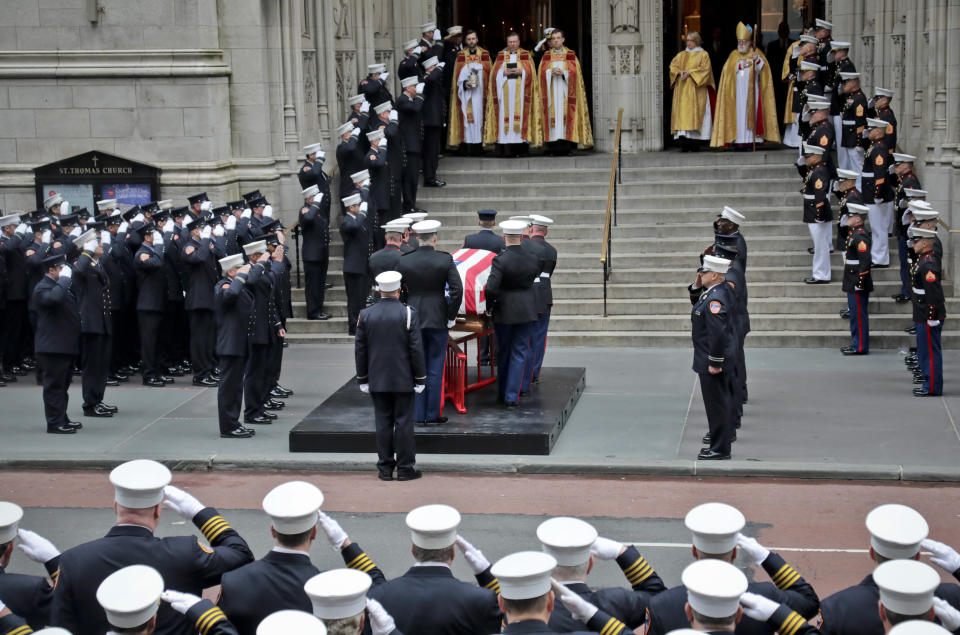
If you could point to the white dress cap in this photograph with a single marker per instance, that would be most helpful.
(847, 175)
(429, 26)
(715, 525)
(918, 627)
(107, 203)
(857, 208)
(139, 484)
(375, 135)
(406, 82)
(166, 203)
(900, 157)
(837, 45)
(403, 220)
(257, 247)
(130, 596)
(313, 147)
(882, 92)
(876, 123)
(426, 226)
(231, 261)
(389, 280)
(362, 175)
(50, 201)
(818, 105)
(809, 66)
(524, 575)
(513, 227)
(10, 516)
(455, 30)
(289, 621)
(896, 530)
(373, 69)
(433, 526)
(353, 199)
(344, 128)
(81, 240)
(396, 225)
(52, 630)
(415, 217)
(812, 149)
(906, 586)
(430, 62)
(313, 190)
(525, 219)
(924, 214)
(9, 219)
(714, 587)
(543, 221)
(921, 232)
(382, 108)
(732, 215)
(410, 44)
(809, 39)
(355, 100)
(568, 540)
(823, 24)
(845, 76)
(919, 204)
(339, 593)
(293, 506)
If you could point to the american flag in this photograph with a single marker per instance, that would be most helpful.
(474, 268)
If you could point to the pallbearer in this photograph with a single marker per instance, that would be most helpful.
(563, 99)
(547, 255)
(512, 116)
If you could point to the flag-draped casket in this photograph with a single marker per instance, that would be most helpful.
(473, 265)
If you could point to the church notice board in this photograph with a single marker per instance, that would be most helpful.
(93, 176)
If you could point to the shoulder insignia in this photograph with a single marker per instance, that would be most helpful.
(818, 184)
(859, 110)
(930, 277)
(204, 548)
(373, 157)
(30, 252)
(225, 285)
(824, 140)
(889, 128)
(861, 246)
(189, 249)
(715, 306)
(878, 160)
(732, 284)
(176, 236)
(57, 245)
(304, 210)
(144, 256)
(305, 169)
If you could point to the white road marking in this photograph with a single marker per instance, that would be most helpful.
(687, 545)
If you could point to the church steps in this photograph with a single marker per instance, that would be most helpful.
(456, 181)
(544, 203)
(756, 339)
(625, 193)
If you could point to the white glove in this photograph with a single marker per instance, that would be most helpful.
(268, 211)
(364, 107)
(231, 222)
(206, 206)
(440, 65)
(394, 115)
(380, 621)
(933, 322)
(45, 238)
(123, 228)
(179, 602)
(335, 533)
(754, 550)
(168, 226)
(66, 271)
(138, 218)
(363, 207)
(540, 44)
(90, 245)
(385, 77)
(205, 232)
(105, 238)
(157, 239)
(76, 231)
(65, 208)
(605, 549)
(436, 35)
(21, 229)
(419, 388)
(475, 558)
(943, 555)
(218, 231)
(949, 617)
(580, 609)
(451, 324)
(420, 88)
(181, 502)
(246, 213)
(318, 198)
(36, 547)
(383, 144)
(757, 607)
(356, 132)
(364, 388)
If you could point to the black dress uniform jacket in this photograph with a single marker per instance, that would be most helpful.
(376, 163)
(788, 588)
(411, 122)
(484, 239)
(185, 563)
(907, 180)
(408, 68)
(58, 317)
(312, 174)
(845, 65)
(713, 339)
(350, 159)
(353, 231)
(927, 296)
(315, 229)
(265, 318)
(853, 119)
(151, 280)
(816, 190)
(375, 91)
(92, 287)
(202, 270)
(426, 273)
(208, 619)
(12, 250)
(857, 263)
(385, 259)
(890, 138)
(433, 98)
(601, 622)
(875, 177)
(510, 286)
(823, 135)
(233, 303)
(29, 596)
(547, 255)
(388, 342)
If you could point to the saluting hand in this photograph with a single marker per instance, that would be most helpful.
(475, 558)
(942, 555)
(181, 502)
(580, 609)
(336, 536)
(243, 269)
(606, 549)
(757, 552)
(714, 370)
(178, 601)
(381, 622)
(758, 607)
(36, 547)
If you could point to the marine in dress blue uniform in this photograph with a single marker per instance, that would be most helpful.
(929, 311)
(547, 255)
(233, 304)
(877, 192)
(386, 259)
(905, 181)
(857, 281)
(486, 238)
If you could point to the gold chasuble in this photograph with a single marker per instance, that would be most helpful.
(691, 95)
(471, 77)
(512, 113)
(563, 102)
(784, 74)
(742, 114)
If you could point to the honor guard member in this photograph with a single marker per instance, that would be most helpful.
(547, 254)
(339, 599)
(853, 121)
(575, 545)
(374, 85)
(151, 304)
(387, 121)
(817, 213)
(740, 319)
(185, 563)
(391, 369)
(410, 241)
(839, 62)
(846, 192)
(427, 599)
(130, 599)
(728, 224)
(56, 342)
(199, 257)
(877, 192)
(434, 110)
(315, 229)
(350, 154)
(354, 233)
(807, 72)
(15, 236)
(713, 347)
(380, 182)
(27, 596)
(822, 133)
(879, 108)
(528, 597)
(897, 533)
(408, 65)
(409, 108)
(857, 282)
(716, 528)
(905, 180)
(311, 172)
(285, 622)
(248, 595)
(92, 288)
(486, 238)
(233, 305)
(387, 258)
(512, 299)
(929, 311)
(263, 325)
(434, 290)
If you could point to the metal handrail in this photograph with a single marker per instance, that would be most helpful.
(610, 220)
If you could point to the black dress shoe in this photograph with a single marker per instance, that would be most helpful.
(2, 383)
(120, 377)
(810, 250)
(849, 350)
(433, 183)
(524, 393)
(107, 406)
(288, 392)
(61, 430)
(167, 379)
(845, 314)
(269, 415)
(385, 476)
(111, 382)
(76, 425)
(276, 394)
(20, 371)
(238, 433)
(154, 382)
(815, 281)
(440, 419)
(174, 371)
(97, 411)
(412, 475)
(900, 298)
(7, 377)
(920, 392)
(259, 420)
(328, 285)
(205, 381)
(876, 266)
(912, 330)
(706, 438)
(273, 404)
(710, 455)
(321, 316)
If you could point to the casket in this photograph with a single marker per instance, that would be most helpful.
(473, 265)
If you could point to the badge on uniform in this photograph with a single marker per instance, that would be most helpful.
(57, 244)
(305, 169)
(144, 257)
(862, 247)
(824, 141)
(203, 547)
(188, 250)
(715, 306)
(818, 184)
(225, 285)
(931, 277)
(889, 128)
(859, 110)
(30, 252)
(879, 159)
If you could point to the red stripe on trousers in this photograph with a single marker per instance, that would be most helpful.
(859, 327)
(930, 355)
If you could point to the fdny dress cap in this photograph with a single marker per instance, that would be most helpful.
(896, 530)
(433, 526)
(139, 484)
(714, 587)
(715, 525)
(567, 539)
(524, 575)
(339, 593)
(293, 506)
(130, 596)
(290, 621)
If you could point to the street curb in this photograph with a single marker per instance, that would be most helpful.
(458, 464)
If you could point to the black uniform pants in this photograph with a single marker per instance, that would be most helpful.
(274, 364)
(716, 401)
(203, 335)
(357, 284)
(230, 391)
(315, 272)
(11, 330)
(126, 348)
(149, 322)
(96, 363)
(176, 337)
(255, 380)
(57, 375)
(410, 179)
(393, 415)
(432, 144)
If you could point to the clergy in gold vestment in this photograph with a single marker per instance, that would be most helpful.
(563, 99)
(471, 77)
(746, 105)
(512, 116)
(691, 77)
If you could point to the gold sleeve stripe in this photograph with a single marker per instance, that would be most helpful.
(55, 575)
(210, 521)
(493, 585)
(791, 625)
(789, 582)
(212, 527)
(208, 619)
(362, 563)
(785, 573)
(216, 531)
(205, 615)
(20, 630)
(638, 571)
(357, 559)
(612, 627)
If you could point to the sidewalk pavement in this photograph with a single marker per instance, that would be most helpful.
(812, 413)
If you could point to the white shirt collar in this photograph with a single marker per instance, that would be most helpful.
(695, 49)
(296, 552)
(431, 564)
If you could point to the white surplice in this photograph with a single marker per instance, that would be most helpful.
(472, 132)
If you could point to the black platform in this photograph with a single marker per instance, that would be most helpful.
(344, 422)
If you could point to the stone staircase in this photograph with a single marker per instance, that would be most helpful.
(667, 203)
